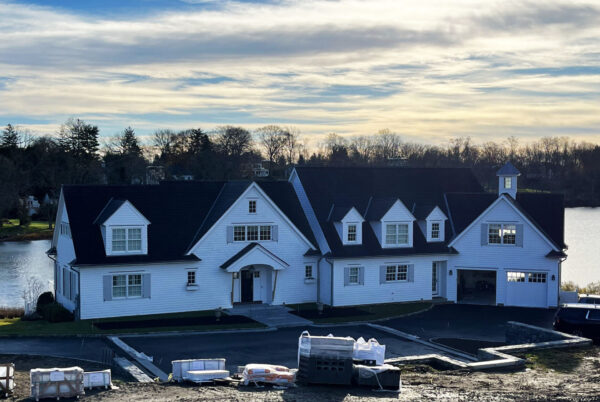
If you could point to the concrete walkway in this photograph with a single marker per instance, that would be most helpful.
(272, 316)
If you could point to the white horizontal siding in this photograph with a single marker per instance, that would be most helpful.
(373, 292)
(530, 257)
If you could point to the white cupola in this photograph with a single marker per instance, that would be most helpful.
(507, 180)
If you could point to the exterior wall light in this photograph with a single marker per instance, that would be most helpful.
(553, 277)
(450, 272)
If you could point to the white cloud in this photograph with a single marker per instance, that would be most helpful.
(428, 70)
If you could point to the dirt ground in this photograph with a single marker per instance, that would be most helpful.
(550, 375)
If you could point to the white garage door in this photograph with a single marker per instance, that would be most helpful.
(526, 289)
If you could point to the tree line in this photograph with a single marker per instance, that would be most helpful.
(40, 165)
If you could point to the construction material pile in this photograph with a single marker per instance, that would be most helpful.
(7, 379)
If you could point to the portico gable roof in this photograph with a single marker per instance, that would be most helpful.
(253, 254)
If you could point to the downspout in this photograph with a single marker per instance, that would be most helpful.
(560, 261)
(331, 263)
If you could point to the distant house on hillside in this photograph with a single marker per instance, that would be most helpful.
(338, 236)
(31, 203)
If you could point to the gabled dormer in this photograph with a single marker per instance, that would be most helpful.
(507, 180)
(124, 229)
(397, 226)
(436, 225)
(348, 223)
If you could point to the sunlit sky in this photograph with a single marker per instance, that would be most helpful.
(428, 70)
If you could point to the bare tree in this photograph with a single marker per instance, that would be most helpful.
(33, 289)
(292, 144)
(272, 140)
(233, 141)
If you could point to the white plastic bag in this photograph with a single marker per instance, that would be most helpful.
(370, 350)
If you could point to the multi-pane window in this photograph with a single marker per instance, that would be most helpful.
(396, 234)
(119, 239)
(516, 276)
(509, 234)
(353, 276)
(252, 206)
(352, 233)
(126, 239)
(257, 274)
(251, 233)
(537, 277)
(134, 239)
(239, 233)
(308, 274)
(65, 229)
(396, 273)
(265, 232)
(127, 285)
(191, 278)
(508, 182)
(505, 233)
(435, 230)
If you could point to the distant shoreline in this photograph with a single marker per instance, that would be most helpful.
(27, 237)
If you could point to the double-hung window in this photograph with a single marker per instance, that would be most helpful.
(396, 234)
(126, 239)
(308, 272)
(127, 285)
(252, 233)
(435, 230)
(252, 206)
(396, 273)
(351, 233)
(265, 233)
(502, 233)
(353, 276)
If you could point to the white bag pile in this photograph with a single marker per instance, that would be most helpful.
(269, 374)
(93, 379)
(369, 350)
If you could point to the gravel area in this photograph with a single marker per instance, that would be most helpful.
(551, 375)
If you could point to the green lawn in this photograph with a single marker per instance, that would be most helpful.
(35, 231)
(561, 360)
(16, 326)
(373, 312)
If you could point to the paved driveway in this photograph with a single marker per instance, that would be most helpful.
(273, 347)
(469, 321)
(70, 347)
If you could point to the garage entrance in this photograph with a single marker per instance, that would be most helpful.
(476, 286)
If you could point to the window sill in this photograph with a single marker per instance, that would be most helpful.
(309, 280)
(405, 281)
(191, 287)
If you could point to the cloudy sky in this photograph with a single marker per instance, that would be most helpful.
(428, 70)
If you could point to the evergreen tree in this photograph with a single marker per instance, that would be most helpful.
(79, 138)
(129, 143)
(10, 138)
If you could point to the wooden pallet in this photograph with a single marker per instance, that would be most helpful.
(5, 390)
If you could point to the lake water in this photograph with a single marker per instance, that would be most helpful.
(22, 260)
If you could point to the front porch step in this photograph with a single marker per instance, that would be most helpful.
(272, 316)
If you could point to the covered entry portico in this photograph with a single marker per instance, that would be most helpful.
(254, 271)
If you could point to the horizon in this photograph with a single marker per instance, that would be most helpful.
(426, 71)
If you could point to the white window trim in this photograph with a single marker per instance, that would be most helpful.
(347, 233)
(258, 225)
(350, 283)
(127, 251)
(385, 244)
(112, 286)
(397, 265)
(509, 179)
(312, 271)
(502, 224)
(441, 236)
(195, 283)
(255, 206)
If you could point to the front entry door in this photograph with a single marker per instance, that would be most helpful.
(247, 287)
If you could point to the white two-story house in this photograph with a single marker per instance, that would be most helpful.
(338, 236)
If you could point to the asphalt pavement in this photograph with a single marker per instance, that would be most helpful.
(70, 347)
(469, 321)
(271, 347)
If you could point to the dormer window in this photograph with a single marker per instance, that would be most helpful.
(126, 240)
(252, 206)
(351, 233)
(508, 182)
(396, 234)
(435, 230)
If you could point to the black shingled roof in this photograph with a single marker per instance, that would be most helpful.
(544, 210)
(179, 213)
(359, 187)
